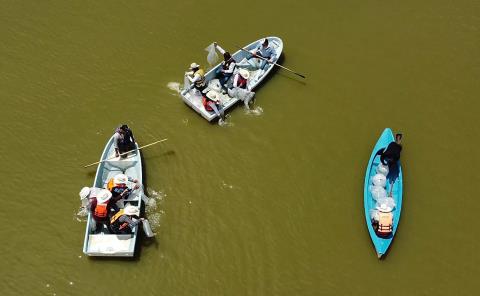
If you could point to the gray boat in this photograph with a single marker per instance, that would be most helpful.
(192, 98)
(100, 242)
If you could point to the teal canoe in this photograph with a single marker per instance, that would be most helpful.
(382, 243)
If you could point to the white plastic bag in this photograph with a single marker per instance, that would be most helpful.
(379, 180)
(212, 56)
(374, 214)
(378, 192)
(388, 201)
(382, 169)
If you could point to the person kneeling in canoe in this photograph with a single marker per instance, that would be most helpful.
(101, 207)
(383, 221)
(225, 71)
(212, 104)
(125, 220)
(123, 140)
(118, 187)
(196, 76)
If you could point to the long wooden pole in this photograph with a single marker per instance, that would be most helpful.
(124, 153)
(262, 58)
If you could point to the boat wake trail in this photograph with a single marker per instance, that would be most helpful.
(154, 215)
(175, 86)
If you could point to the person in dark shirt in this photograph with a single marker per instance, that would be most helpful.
(391, 156)
(123, 140)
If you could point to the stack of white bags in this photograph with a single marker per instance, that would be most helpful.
(379, 193)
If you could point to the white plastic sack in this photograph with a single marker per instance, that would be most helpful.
(212, 56)
(390, 202)
(374, 215)
(215, 85)
(378, 192)
(379, 180)
(382, 169)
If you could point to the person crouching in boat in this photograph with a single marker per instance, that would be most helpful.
(383, 221)
(227, 67)
(196, 76)
(265, 51)
(239, 88)
(212, 103)
(391, 156)
(118, 187)
(100, 208)
(125, 220)
(123, 140)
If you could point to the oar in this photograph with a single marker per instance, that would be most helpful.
(262, 58)
(124, 153)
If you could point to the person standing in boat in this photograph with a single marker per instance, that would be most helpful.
(391, 156)
(125, 220)
(265, 51)
(123, 140)
(225, 71)
(196, 76)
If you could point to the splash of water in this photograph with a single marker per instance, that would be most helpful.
(257, 111)
(175, 86)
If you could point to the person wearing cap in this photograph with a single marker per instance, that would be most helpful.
(125, 220)
(264, 51)
(101, 206)
(240, 87)
(240, 80)
(384, 225)
(211, 103)
(196, 76)
(118, 187)
(123, 140)
(227, 67)
(87, 196)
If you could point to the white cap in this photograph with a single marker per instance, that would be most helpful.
(244, 73)
(212, 95)
(194, 65)
(131, 210)
(103, 196)
(120, 179)
(84, 192)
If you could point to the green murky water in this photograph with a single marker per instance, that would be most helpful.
(269, 204)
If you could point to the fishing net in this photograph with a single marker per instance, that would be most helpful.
(212, 56)
(379, 180)
(382, 169)
(378, 192)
